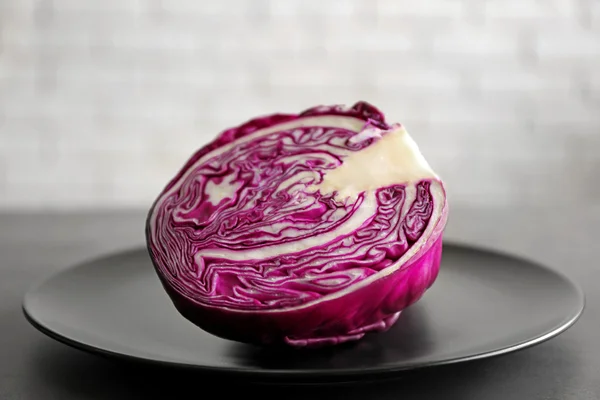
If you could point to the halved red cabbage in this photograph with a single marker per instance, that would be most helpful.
(309, 229)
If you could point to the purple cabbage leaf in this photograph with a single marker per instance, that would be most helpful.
(307, 229)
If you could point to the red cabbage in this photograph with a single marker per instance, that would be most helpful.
(305, 229)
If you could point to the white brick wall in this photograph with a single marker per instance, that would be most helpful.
(102, 101)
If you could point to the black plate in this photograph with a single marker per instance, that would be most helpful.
(483, 304)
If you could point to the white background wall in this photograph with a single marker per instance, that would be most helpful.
(101, 101)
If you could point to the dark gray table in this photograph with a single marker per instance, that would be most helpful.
(33, 366)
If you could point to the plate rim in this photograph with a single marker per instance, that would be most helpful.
(299, 374)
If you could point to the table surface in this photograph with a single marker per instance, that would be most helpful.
(32, 366)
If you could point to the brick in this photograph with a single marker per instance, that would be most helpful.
(525, 79)
(97, 26)
(530, 9)
(172, 40)
(594, 16)
(479, 42)
(567, 43)
(476, 138)
(428, 9)
(56, 39)
(18, 198)
(346, 37)
(75, 171)
(135, 181)
(414, 105)
(397, 105)
(594, 86)
(580, 155)
(549, 112)
(472, 110)
(487, 186)
(229, 7)
(332, 7)
(17, 104)
(19, 143)
(281, 38)
(92, 144)
(108, 5)
(323, 74)
(415, 79)
(421, 29)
